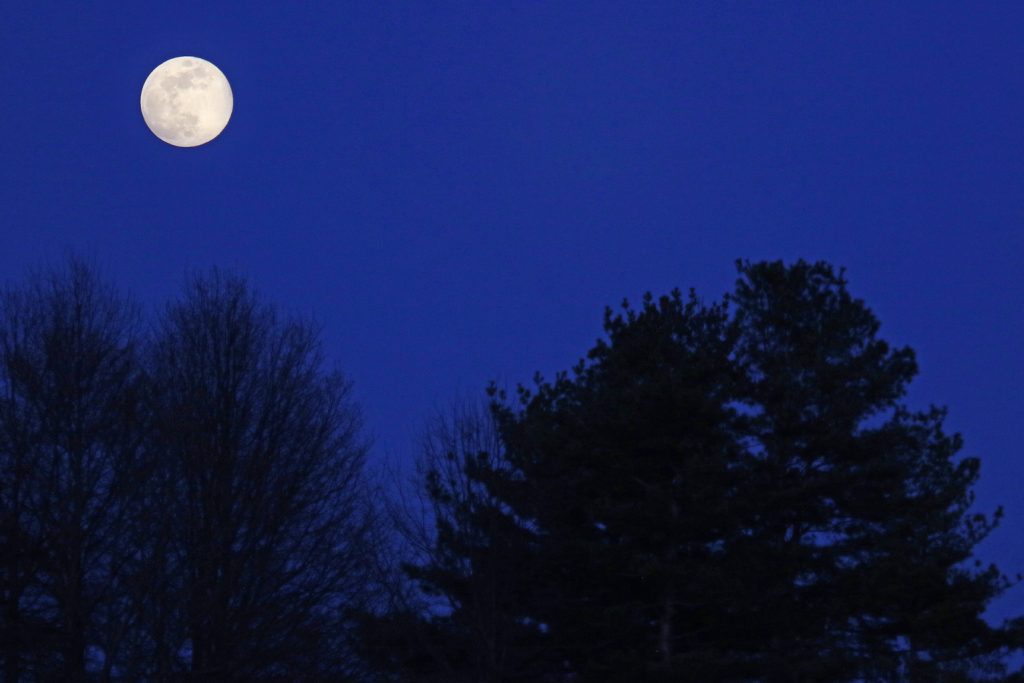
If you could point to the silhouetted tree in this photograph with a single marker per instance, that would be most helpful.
(858, 508)
(718, 492)
(468, 620)
(735, 492)
(262, 548)
(69, 468)
(627, 472)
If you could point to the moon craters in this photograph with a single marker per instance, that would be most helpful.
(186, 101)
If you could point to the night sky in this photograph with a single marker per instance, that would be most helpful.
(455, 191)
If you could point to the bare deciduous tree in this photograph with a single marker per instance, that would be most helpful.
(69, 445)
(259, 488)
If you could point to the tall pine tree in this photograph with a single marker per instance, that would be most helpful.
(861, 525)
(737, 492)
(627, 470)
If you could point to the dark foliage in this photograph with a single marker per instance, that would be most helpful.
(467, 564)
(860, 517)
(728, 492)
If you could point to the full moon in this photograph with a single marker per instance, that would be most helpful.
(186, 101)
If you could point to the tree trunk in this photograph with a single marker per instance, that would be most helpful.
(12, 653)
(668, 602)
(665, 629)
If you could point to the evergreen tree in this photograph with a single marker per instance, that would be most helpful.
(627, 471)
(736, 492)
(861, 524)
(466, 621)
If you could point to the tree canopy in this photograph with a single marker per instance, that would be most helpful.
(734, 491)
(184, 505)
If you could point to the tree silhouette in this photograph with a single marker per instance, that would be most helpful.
(627, 471)
(736, 492)
(467, 622)
(70, 414)
(259, 483)
(731, 491)
(859, 507)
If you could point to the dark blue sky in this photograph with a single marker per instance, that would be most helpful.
(457, 190)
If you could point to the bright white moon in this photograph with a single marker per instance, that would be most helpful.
(186, 101)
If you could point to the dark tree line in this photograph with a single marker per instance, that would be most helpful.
(725, 491)
(183, 504)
